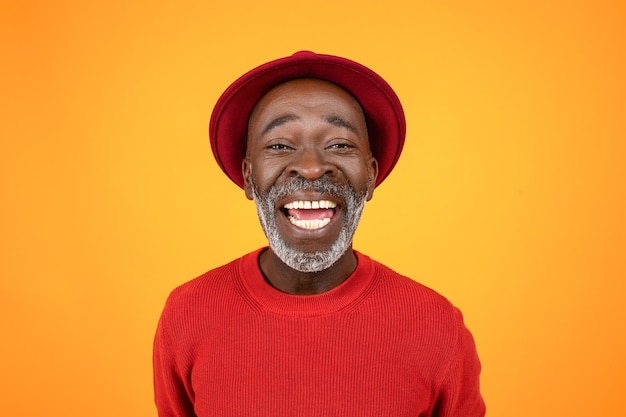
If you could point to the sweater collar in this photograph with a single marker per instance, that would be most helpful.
(270, 299)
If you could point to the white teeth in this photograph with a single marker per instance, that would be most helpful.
(309, 224)
(306, 205)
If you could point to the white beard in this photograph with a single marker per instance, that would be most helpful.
(309, 261)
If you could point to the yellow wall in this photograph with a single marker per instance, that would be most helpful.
(509, 198)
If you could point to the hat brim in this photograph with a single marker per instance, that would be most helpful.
(382, 109)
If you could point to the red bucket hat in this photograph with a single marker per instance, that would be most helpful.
(383, 112)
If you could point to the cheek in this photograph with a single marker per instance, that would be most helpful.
(362, 176)
(264, 174)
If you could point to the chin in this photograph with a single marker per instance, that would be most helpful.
(309, 261)
(307, 250)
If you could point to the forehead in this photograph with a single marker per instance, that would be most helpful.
(307, 93)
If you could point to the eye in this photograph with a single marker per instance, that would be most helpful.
(279, 147)
(341, 146)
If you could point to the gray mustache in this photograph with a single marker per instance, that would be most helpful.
(319, 185)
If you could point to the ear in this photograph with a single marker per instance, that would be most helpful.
(372, 171)
(246, 169)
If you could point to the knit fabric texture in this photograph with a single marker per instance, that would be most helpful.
(379, 344)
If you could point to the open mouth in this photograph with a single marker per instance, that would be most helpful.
(310, 214)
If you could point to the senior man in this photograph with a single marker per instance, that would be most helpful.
(308, 326)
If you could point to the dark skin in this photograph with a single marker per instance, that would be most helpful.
(313, 129)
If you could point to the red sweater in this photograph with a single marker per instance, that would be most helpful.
(380, 344)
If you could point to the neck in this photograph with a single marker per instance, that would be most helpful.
(291, 281)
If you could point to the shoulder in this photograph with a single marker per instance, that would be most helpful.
(204, 285)
(208, 291)
(417, 309)
(421, 322)
(202, 304)
(409, 293)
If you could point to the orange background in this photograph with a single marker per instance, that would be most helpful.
(508, 199)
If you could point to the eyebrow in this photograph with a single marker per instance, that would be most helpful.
(333, 120)
(338, 121)
(279, 121)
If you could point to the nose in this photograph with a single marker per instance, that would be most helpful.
(310, 164)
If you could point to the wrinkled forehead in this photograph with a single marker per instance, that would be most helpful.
(310, 91)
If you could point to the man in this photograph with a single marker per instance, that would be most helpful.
(309, 326)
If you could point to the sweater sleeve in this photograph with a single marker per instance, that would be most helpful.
(459, 394)
(172, 391)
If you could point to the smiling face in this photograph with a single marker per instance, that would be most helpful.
(309, 168)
